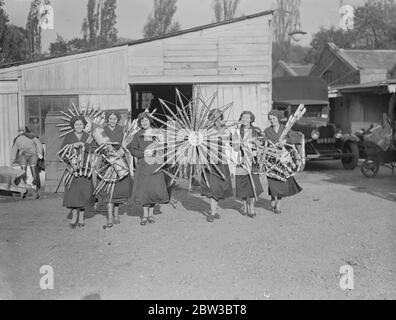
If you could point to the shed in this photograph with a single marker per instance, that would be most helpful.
(231, 58)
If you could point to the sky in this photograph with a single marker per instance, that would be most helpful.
(132, 15)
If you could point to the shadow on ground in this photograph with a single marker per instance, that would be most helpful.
(382, 186)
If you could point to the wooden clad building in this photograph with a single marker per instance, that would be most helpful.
(232, 58)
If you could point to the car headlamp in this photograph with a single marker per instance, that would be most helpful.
(315, 134)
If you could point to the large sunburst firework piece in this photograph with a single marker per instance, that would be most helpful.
(76, 160)
(192, 143)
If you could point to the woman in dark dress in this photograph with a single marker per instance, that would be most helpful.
(218, 187)
(78, 195)
(248, 136)
(278, 189)
(123, 187)
(149, 188)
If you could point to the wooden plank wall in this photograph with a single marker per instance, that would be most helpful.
(8, 119)
(99, 72)
(253, 97)
(235, 52)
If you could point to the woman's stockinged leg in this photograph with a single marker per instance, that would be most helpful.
(245, 206)
(144, 220)
(110, 215)
(81, 222)
(151, 214)
(74, 219)
(116, 217)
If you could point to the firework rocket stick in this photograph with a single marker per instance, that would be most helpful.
(66, 114)
(77, 111)
(65, 146)
(86, 164)
(180, 119)
(65, 133)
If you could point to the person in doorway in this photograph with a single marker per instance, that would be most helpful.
(26, 151)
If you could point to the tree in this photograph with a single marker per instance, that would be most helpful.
(60, 46)
(33, 29)
(341, 38)
(286, 19)
(13, 39)
(98, 28)
(14, 45)
(375, 24)
(108, 31)
(159, 22)
(374, 28)
(3, 28)
(224, 9)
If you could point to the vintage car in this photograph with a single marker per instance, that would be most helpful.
(323, 140)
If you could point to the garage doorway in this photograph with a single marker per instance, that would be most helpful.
(146, 97)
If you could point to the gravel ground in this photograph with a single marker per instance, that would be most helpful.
(340, 218)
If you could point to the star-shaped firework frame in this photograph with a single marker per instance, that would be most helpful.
(192, 139)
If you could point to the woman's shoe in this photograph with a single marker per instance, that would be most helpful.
(116, 220)
(72, 225)
(109, 223)
(210, 218)
(216, 216)
(151, 219)
(277, 211)
(81, 224)
(251, 215)
(143, 222)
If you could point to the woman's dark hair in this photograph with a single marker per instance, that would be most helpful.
(250, 113)
(276, 113)
(141, 116)
(77, 118)
(109, 113)
(214, 113)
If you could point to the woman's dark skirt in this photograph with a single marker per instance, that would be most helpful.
(218, 188)
(244, 187)
(149, 188)
(79, 194)
(121, 194)
(277, 188)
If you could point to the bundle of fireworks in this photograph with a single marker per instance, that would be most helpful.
(79, 163)
(112, 165)
(279, 161)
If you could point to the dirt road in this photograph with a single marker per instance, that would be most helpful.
(340, 218)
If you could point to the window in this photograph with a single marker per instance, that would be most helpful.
(328, 77)
(37, 107)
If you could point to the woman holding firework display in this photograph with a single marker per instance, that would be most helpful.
(216, 183)
(149, 188)
(122, 187)
(78, 194)
(247, 182)
(278, 189)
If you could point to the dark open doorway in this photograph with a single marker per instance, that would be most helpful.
(146, 96)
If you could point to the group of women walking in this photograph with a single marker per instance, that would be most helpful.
(149, 188)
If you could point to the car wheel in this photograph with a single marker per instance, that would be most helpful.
(370, 167)
(350, 163)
